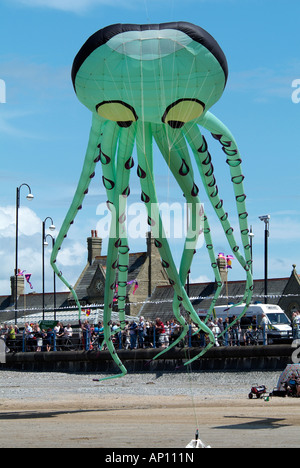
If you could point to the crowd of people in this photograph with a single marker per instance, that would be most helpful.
(234, 332)
(136, 334)
(147, 334)
(139, 333)
(34, 338)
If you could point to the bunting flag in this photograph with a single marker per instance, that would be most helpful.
(136, 285)
(224, 297)
(27, 277)
(228, 259)
(116, 293)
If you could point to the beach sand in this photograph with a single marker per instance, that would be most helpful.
(105, 415)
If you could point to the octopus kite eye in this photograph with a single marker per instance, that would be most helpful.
(182, 111)
(117, 111)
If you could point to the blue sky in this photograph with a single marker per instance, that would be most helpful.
(44, 128)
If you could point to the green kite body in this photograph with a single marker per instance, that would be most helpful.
(146, 83)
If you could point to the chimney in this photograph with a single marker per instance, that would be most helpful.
(222, 265)
(21, 287)
(94, 244)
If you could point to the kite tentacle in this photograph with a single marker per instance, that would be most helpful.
(108, 149)
(181, 167)
(203, 160)
(173, 148)
(175, 162)
(221, 133)
(145, 171)
(87, 174)
(179, 162)
(190, 190)
(118, 209)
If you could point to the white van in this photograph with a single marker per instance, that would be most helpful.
(279, 325)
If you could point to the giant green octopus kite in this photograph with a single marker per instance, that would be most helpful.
(144, 83)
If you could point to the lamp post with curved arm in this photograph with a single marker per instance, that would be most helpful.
(54, 275)
(266, 220)
(29, 198)
(52, 228)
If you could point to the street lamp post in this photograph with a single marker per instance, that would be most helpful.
(54, 275)
(251, 235)
(29, 198)
(266, 220)
(52, 228)
(187, 230)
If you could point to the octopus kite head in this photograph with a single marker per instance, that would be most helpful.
(169, 73)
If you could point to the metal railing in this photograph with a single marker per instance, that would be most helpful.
(84, 340)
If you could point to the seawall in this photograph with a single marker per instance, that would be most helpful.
(242, 358)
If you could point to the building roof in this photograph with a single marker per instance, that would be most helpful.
(32, 303)
(282, 291)
(136, 261)
(201, 294)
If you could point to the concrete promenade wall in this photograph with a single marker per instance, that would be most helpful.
(243, 358)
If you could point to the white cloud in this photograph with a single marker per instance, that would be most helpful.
(73, 255)
(29, 222)
(29, 252)
(72, 258)
(201, 279)
(29, 259)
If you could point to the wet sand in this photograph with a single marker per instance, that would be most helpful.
(100, 419)
(149, 422)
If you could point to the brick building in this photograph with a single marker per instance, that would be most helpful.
(144, 267)
(154, 295)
